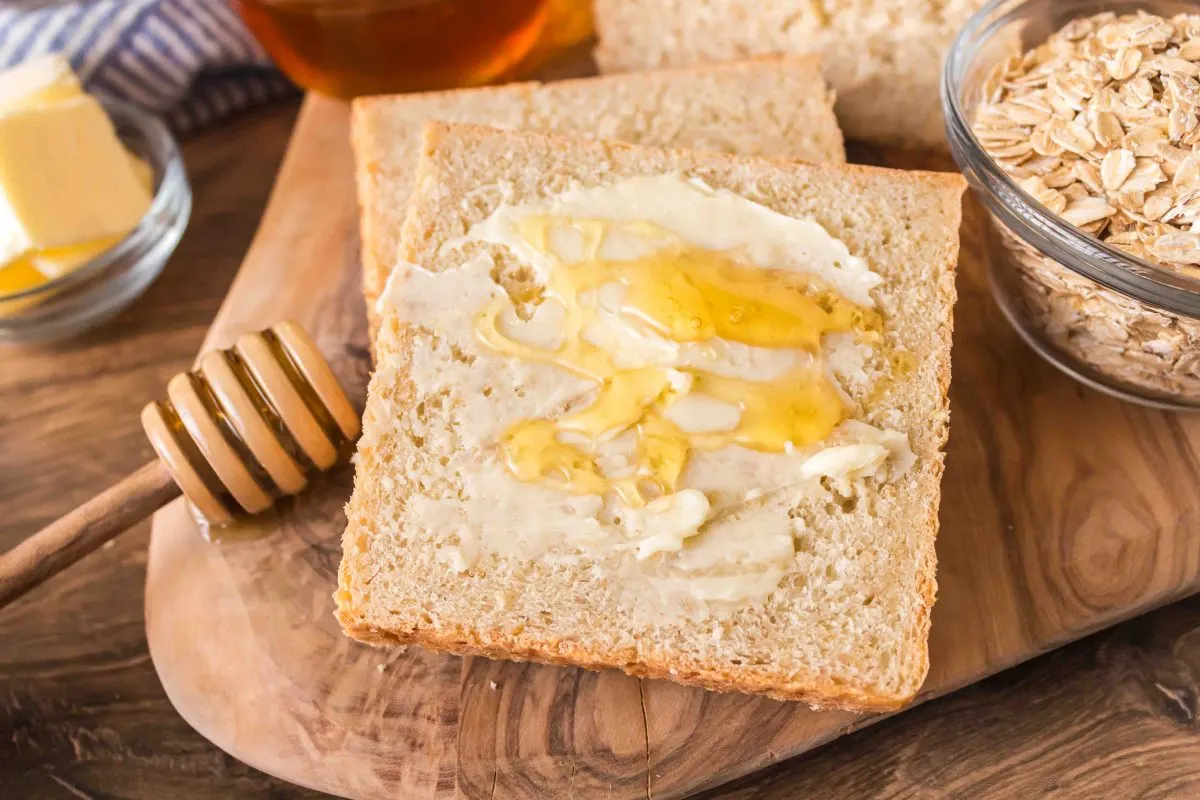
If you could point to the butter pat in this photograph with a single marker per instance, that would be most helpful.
(55, 262)
(665, 523)
(844, 464)
(40, 81)
(697, 413)
(64, 178)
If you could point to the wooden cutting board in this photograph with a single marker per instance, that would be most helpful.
(1063, 511)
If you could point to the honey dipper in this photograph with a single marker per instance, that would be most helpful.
(248, 425)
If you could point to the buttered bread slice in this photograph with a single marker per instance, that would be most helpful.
(777, 106)
(676, 413)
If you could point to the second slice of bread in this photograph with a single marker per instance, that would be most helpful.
(882, 57)
(773, 106)
(848, 625)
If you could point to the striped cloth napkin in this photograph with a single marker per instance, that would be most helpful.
(191, 61)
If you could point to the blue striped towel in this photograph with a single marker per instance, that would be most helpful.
(191, 61)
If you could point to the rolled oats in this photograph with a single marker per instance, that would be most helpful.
(1101, 125)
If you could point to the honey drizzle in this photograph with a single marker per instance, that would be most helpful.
(682, 294)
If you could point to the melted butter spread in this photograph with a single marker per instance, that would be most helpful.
(680, 294)
(699, 340)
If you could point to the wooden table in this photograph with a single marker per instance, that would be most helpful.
(82, 713)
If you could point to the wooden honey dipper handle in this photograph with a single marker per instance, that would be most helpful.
(246, 427)
(63, 542)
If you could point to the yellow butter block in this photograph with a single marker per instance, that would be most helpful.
(54, 262)
(65, 178)
(43, 80)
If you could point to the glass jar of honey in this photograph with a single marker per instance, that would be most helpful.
(347, 48)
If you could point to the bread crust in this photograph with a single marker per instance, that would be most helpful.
(820, 695)
(652, 661)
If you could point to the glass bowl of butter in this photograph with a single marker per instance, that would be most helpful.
(93, 200)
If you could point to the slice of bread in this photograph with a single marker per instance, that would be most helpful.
(848, 624)
(882, 57)
(774, 106)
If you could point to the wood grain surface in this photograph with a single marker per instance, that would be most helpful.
(1049, 532)
(82, 713)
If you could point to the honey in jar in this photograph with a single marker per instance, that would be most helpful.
(347, 48)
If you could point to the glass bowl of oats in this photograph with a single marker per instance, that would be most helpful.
(1077, 125)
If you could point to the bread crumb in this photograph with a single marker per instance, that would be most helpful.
(492, 684)
(381, 667)
(108, 545)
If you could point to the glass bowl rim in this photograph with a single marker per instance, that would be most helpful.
(174, 182)
(1035, 225)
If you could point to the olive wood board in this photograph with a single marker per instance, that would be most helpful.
(1063, 511)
